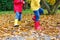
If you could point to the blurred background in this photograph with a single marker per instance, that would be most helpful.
(47, 5)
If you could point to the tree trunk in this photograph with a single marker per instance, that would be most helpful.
(56, 6)
(47, 6)
(53, 8)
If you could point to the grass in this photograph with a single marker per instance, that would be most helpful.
(58, 11)
(11, 12)
(6, 12)
(27, 11)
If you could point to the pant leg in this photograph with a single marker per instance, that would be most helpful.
(36, 13)
(20, 16)
(41, 11)
(17, 15)
(16, 18)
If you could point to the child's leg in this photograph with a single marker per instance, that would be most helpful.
(17, 15)
(37, 23)
(17, 18)
(37, 15)
(20, 16)
(41, 11)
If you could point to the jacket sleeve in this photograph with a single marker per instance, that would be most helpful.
(22, 1)
(17, 1)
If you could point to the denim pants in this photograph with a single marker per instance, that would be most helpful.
(18, 15)
(37, 13)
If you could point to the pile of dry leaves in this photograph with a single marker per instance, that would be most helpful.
(50, 23)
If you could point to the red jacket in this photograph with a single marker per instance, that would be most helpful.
(18, 5)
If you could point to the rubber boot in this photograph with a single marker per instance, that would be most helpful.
(34, 17)
(16, 23)
(37, 25)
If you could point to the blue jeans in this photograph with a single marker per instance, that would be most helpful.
(36, 13)
(18, 15)
(41, 11)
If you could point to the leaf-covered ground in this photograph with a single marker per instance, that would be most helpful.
(50, 23)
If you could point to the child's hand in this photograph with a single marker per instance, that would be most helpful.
(23, 2)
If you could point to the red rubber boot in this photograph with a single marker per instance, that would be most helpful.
(34, 17)
(37, 26)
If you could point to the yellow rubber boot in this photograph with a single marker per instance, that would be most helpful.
(16, 23)
(19, 22)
